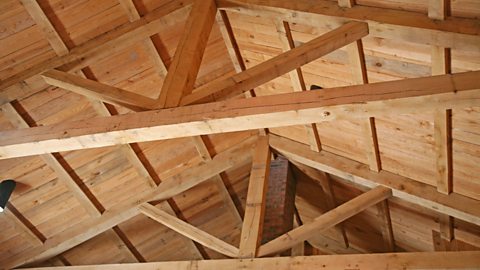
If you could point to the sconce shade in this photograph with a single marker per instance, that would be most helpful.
(6, 189)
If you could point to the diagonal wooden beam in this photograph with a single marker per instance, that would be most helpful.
(133, 15)
(183, 71)
(298, 83)
(188, 230)
(325, 221)
(98, 91)
(94, 49)
(121, 212)
(407, 189)
(251, 235)
(420, 94)
(410, 26)
(405, 260)
(282, 63)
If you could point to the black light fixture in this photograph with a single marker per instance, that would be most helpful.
(6, 189)
(315, 87)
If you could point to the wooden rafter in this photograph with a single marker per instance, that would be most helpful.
(183, 71)
(121, 212)
(325, 221)
(383, 213)
(412, 260)
(251, 235)
(458, 33)
(298, 83)
(299, 108)
(188, 230)
(281, 64)
(456, 205)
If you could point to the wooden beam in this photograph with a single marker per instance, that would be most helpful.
(325, 221)
(410, 26)
(447, 228)
(298, 83)
(420, 94)
(183, 71)
(438, 9)
(121, 212)
(18, 221)
(133, 15)
(408, 260)
(456, 205)
(251, 235)
(41, 19)
(188, 230)
(442, 134)
(98, 91)
(346, 3)
(281, 64)
(94, 49)
(325, 182)
(383, 213)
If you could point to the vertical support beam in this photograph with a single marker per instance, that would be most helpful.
(359, 76)
(253, 220)
(346, 3)
(280, 201)
(183, 72)
(383, 212)
(134, 15)
(446, 227)
(298, 82)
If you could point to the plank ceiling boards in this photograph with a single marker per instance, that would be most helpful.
(373, 154)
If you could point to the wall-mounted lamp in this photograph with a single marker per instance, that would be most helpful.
(315, 87)
(6, 189)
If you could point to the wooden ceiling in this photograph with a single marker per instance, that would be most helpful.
(126, 127)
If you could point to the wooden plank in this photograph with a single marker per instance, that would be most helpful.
(442, 134)
(133, 15)
(183, 71)
(438, 9)
(456, 205)
(456, 32)
(371, 143)
(13, 216)
(298, 83)
(54, 39)
(96, 48)
(121, 212)
(325, 182)
(408, 260)
(446, 227)
(251, 235)
(346, 3)
(98, 91)
(281, 64)
(188, 230)
(419, 94)
(383, 213)
(325, 221)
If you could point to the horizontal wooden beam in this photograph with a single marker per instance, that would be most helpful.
(412, 260)
(325, 221)
(415, 192)
(411, 95)
(188, 230)
(281, 64)
(454, 32)
(127, 209)
(98, 91)
(94, 49)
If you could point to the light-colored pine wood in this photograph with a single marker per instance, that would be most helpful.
(281, 64)
(133, 15)
(98, 91)
(188, 56)
(442, 134)
(34, 9)
(12, 215)
(446, 227)
(119, 213)
(371, 144)
(415, 27)
(299, 108)
(188, 230)
(97, 48)
(412, 191)
(297, 80)
(405, 260)
(251, 235)
(325, 221)
(437, 9)
(383, 213)
(346, 3)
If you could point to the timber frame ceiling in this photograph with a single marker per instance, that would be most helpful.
(141, 132)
